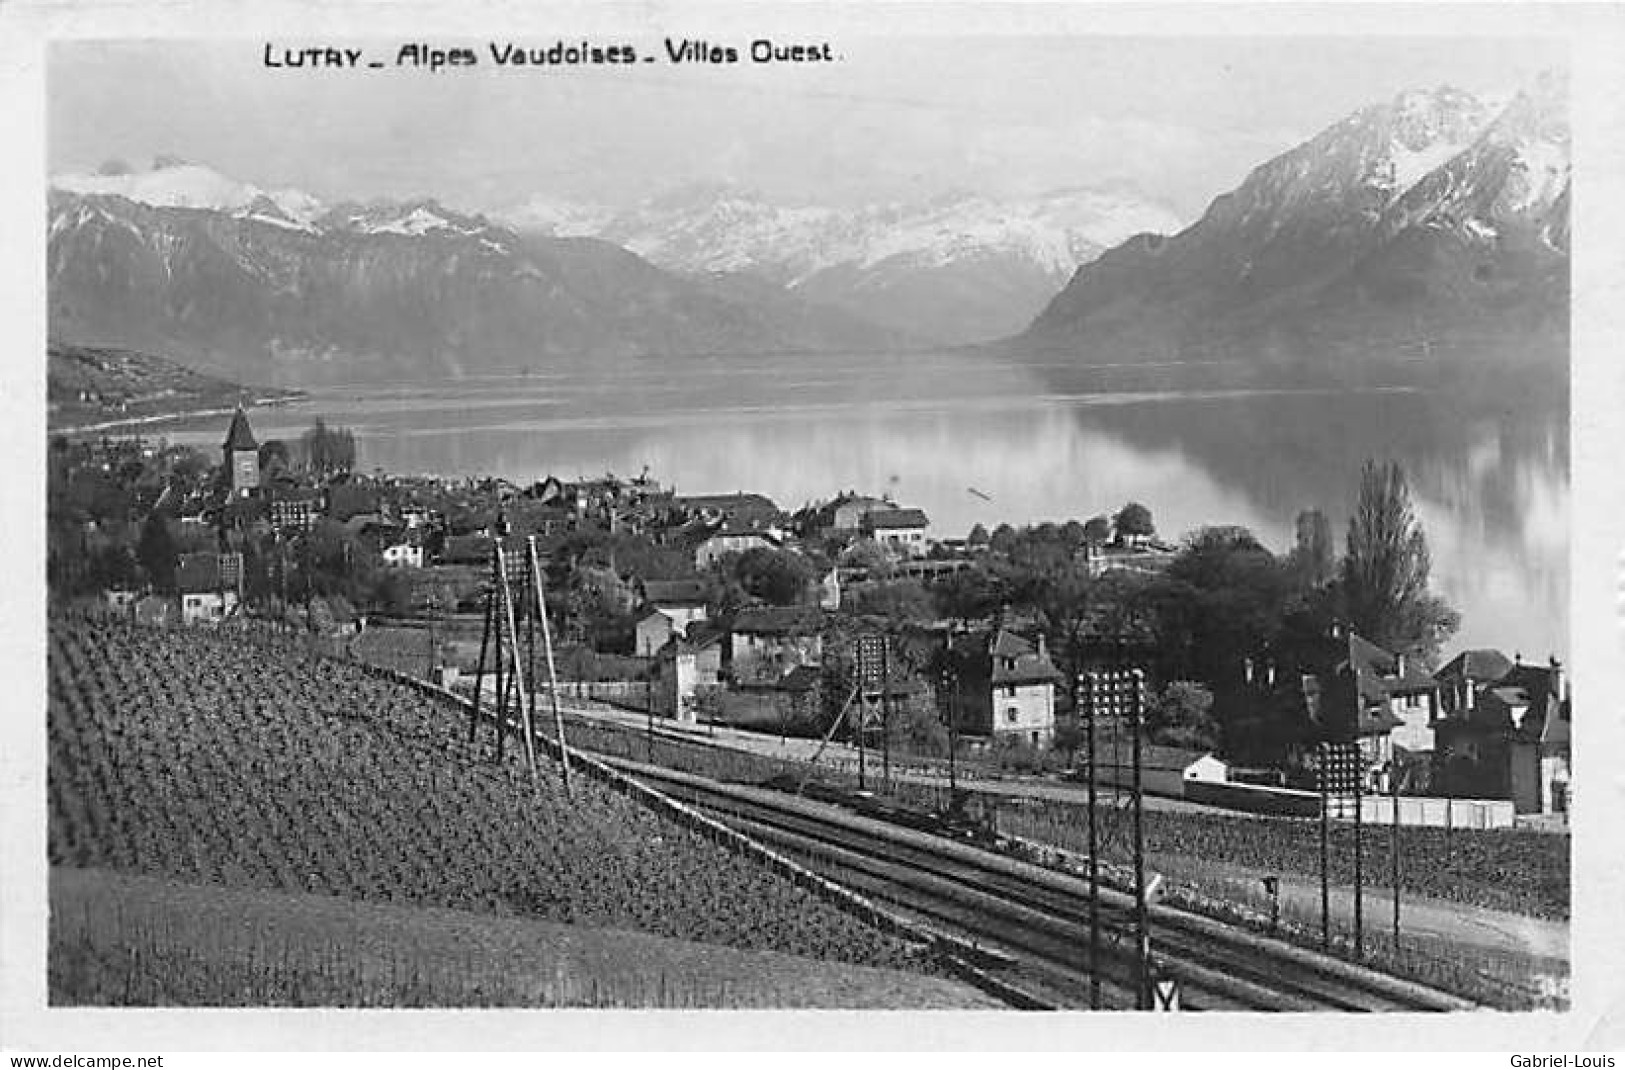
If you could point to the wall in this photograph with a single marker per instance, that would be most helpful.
(1416, 734)
(1523, 760)
(771, 655)
(1438, 813)
(1033, 706)
(1554, 784)
(653, 631)
(1253, 798)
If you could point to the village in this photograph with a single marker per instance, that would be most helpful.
(725, 609)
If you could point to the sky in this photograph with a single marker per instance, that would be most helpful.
(1172, 120)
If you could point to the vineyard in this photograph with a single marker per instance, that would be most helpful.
(217, 761)
(149, 941)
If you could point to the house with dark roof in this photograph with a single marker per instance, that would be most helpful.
(1510, 738)
(734, 537)
(899, 530)
(206, 586)
(847, 510)
(746, 510)
(670, 607)
(790, 704)
(765, 642)
(1464, 675)
(1006, 687)
(688, 670)
(1345, 688)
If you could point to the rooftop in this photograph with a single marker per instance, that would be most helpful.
(778, 620)
(687, 592)
(882, 519)
(239, 437)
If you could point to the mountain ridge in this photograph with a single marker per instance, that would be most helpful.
(387, 291)
(1432, 222)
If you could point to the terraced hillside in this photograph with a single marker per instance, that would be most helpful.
(210, 760)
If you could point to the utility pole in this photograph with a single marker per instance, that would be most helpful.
(649, 710)
(547, 647)
(1393, 842)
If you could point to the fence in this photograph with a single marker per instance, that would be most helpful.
(1437, 813)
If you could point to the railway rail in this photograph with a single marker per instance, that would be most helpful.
(1031, 924)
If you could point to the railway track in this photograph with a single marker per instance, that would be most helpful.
(1031, 925)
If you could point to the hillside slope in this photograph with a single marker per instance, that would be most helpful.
(215, 760)
(1418, 234)
(84, 384)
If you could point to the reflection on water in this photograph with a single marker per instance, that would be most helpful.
(1491, 487)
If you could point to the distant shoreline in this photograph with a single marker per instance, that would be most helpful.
(162, 417)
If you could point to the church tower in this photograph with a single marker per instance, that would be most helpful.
(242, 455)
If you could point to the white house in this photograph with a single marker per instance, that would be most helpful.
(1007, 687)
(403, 555)
(729, 539)
(688, 669)
(655, 629)
(684, 601)
(206, 607)
(900, 530)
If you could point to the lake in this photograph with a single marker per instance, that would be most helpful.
(972, 440)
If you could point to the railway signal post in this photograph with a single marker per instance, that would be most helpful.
(1121, 693)
(1094, 694)
(1359, 852)
(871, 673)
(1136, 704)
(1339, 773)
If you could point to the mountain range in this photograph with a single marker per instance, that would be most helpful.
(1417, 233)
(273, 287)
(1413, 234)
(955, 269)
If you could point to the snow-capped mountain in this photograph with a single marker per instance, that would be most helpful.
(177, 184)
(263, 289)
(1431, 224)
(959, 268)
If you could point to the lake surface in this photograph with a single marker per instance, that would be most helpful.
(941, 431)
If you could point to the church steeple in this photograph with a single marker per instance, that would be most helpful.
(242, 454)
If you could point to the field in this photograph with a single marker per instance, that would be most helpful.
(220, 761)
(120, 939)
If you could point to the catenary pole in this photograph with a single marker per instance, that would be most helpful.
(547, 649)
(1393, 843)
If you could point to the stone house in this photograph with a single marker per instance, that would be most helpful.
(765, 642)
(1006, 687)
